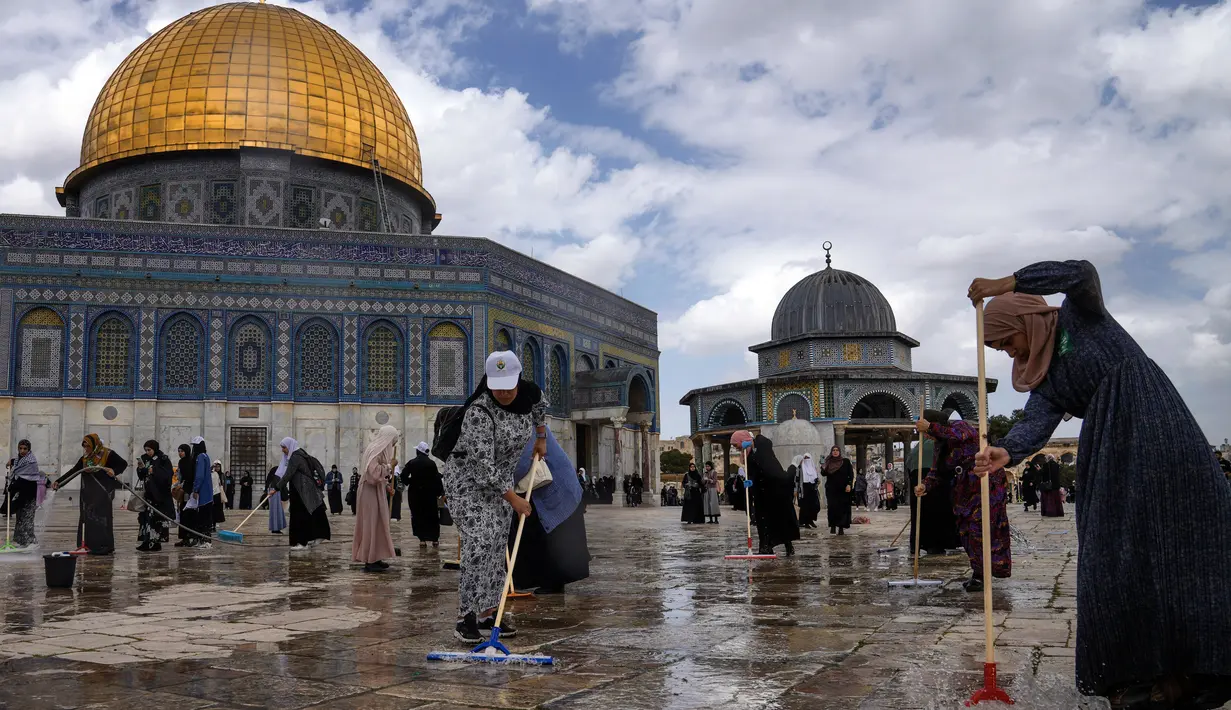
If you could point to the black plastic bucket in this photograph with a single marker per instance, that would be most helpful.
(61, 570)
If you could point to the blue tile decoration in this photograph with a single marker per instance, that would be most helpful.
(145, 356)
(301, 211)
(224, 202)
(102, 207)
(316, 355)
(111, 355)
(249, 358)
(350, 356)
(263, 200)
(367, 217)
(283, 362)
(381, 363)
(76, 350)
(478, 334)
(217, 350)
(185, 202)
(123, 204)
(149, 203)
(414, 374)
(338, 208)
(181, 351)
(6, 329)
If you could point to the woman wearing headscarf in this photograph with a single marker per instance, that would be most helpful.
(951, 482)
(333, 486)
(1052, 499)
(424, 488)
(99, 468)
(773, 493)
(245, 491)
(155, 473)
(373, 543)
(220, 500)
(352, 495)
(693, 511)
(874, 489)
(710, 503)
(554, 551)
(500, 417)
(1155, 563)
(839, 477)
(1031, 477)
(22, 484)
(202, 497)
(186, 472)
(277, 514)
(308, 522)
(809, 493)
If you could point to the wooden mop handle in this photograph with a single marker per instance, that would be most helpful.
(521, 525)
(919, 482)
(258, 507)
(985, 489)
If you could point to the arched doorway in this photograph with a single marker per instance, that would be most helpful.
(728, 414)
(961, 404)
(879, 405)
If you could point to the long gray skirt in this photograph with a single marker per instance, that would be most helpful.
(710, 502)
(1154, 568)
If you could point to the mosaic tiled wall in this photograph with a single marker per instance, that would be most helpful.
(847, 395)
(965, 397)
(871, 352)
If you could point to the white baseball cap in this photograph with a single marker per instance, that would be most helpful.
(503, 370)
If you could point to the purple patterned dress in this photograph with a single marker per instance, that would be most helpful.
(957, 444)
(1154, 572)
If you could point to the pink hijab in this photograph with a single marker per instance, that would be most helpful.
(1022, 313)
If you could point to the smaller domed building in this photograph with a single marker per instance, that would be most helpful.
(837, 361)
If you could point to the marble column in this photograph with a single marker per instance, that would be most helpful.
(707, 450)
(617, 424)
(839, 438)
(648, 469)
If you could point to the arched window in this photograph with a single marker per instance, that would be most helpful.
(383, 362)
(41, 338)
(793, 406)
(584, 363)
(182, 356)
(530, 369)
(503, 340)
(316, 359)
(556, 382)
(447, 362)
(250, 359)
(111, 355)
(611, 364)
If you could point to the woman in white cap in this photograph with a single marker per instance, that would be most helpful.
(423, 490)
(500, 417)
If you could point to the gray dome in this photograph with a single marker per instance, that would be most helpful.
(832, 302)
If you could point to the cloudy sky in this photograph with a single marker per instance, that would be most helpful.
(694, 155)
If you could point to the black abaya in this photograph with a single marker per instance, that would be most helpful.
(694, 505)
(423, 488)
(938, 528)
(773, 493)
(837, 497)
(307, 526)
(97, 489)
(551, 559)
(245, 492)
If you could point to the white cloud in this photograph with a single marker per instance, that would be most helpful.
(930, 142)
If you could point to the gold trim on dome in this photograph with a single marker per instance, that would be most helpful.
(251, 75)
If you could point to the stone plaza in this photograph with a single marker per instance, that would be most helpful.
(662, 622)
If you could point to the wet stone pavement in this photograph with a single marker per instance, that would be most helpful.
(663, 622)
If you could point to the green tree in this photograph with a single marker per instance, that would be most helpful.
(999, 425)
(674, 462)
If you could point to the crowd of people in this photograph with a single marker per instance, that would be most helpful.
(1158, 642)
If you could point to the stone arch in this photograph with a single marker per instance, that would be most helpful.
(640, 397)
(727, 413)
(502, 341)
(880, 403)
(531, 361)
(962, 403)
(792, 405)
(584, 363)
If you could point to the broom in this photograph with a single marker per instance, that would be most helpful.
(748, 520)
(8, 545)
(989, 691)
(491, 650)
(893, 545)
(235, 535)
(916, 582)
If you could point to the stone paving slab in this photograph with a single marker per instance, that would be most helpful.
(663, 622)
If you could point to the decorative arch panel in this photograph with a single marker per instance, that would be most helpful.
(447, 362)
(40, 351)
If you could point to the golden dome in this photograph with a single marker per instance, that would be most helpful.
(251, 74)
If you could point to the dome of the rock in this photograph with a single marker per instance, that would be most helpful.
(251, 75)
(832, 302)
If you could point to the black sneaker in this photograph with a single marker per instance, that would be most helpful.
(507, 629)
(156, 547)
(973, 585)
(467, 630)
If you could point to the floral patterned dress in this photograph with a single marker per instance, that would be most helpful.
(959, 442)
(477, 474)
